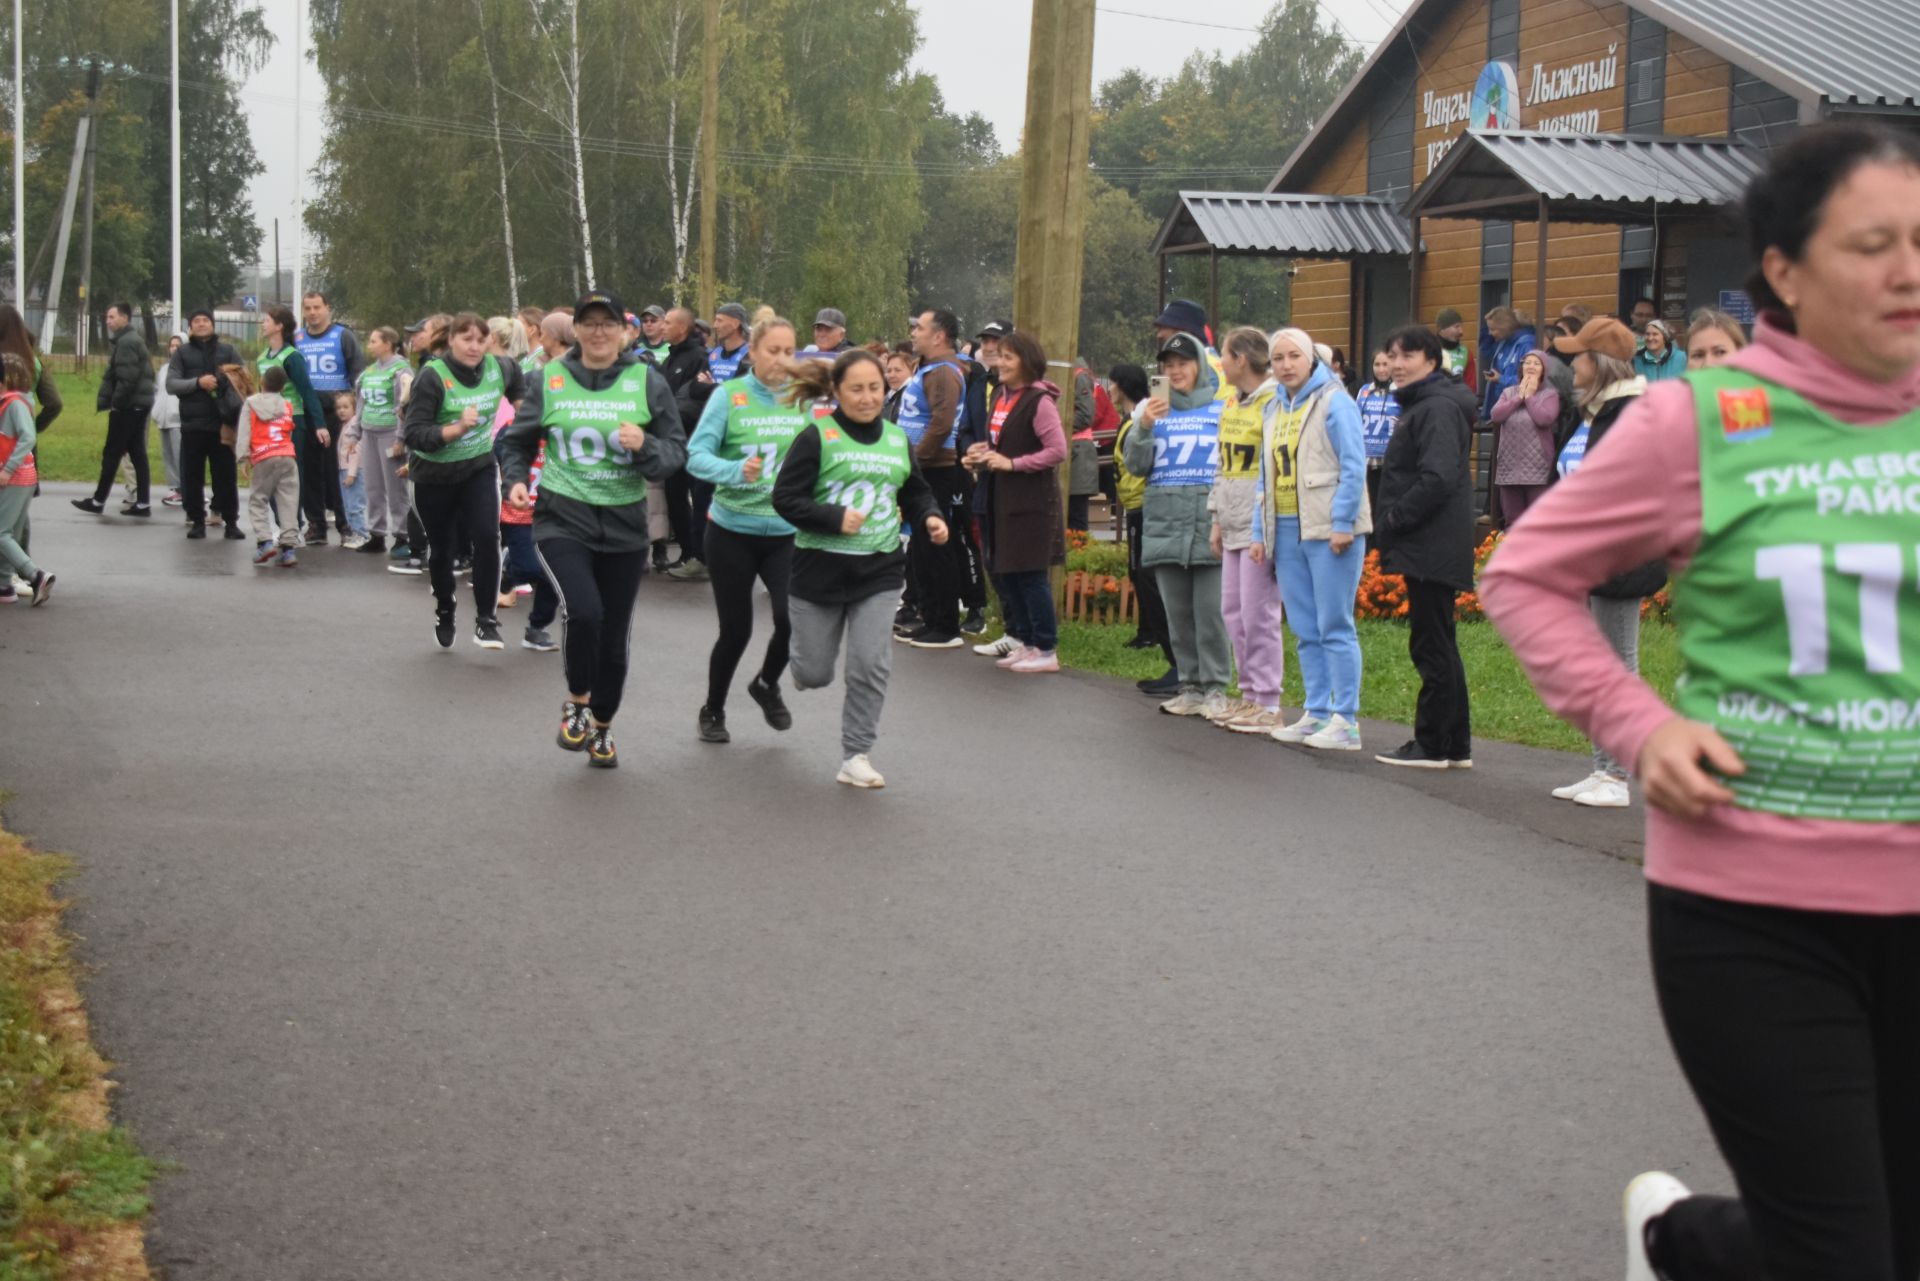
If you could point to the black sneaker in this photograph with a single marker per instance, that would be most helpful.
(934, 638)
(1412, 756)
(443, 631)
(600, 749)
(539, 640)
(1143, 642)
(575, 727)
(375, 545)
(906, 616)
(234, 531)
(42, 587)
(135, 509)
(316, 535)
(413, 565)
(1165, 686)
(89, 506)
(974, 623)
(462, 565)
(713, 726)
(486, 633)
(197, 529)
(772, 706)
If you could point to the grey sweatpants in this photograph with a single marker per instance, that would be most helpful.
(13, 522)
(170, 455)
(868, 627)
(1620, 623)
(386, 487)
(1195, 625)
(276, 481)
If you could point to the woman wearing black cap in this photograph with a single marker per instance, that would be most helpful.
(449, 429)
(611, 426)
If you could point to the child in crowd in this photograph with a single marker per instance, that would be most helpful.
(266, 428)
(353, 480)
(520, 569)
(19, 479)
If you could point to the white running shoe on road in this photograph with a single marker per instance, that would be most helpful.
(1572, 790)
(1607, 794)
(858, 771)
(1647, 1198)
(1299, 731)
(997, 648)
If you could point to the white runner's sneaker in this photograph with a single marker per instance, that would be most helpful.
(1299, 731)
(997, 648)
(858, 771)
(1572, 790)
(1338, 735)
(1647, 1198)
(1607, 794)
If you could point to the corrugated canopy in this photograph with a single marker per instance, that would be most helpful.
(1608, 178)
(1284, 225)
(1860, 53)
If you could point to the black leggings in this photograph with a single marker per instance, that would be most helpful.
(200, 453)
(1800, 1034)
(597, 591)
(451, 514)
(126, 435)
(733, 562)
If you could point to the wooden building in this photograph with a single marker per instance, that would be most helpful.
(1624, 129)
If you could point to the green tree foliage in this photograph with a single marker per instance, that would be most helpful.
(223, 41)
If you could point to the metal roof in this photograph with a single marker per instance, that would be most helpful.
(1611, 178)
(1296, 226)
(1862, 53)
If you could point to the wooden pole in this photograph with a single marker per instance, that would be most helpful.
(1540, 286)
(709, 158)
(1049, 260)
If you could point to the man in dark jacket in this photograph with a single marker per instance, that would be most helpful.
(208, 406)
(1424, 529)
(126, 395)
(689, 377)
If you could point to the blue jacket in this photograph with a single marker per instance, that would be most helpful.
(1344, 434)
(705, 463)
(1503, 358)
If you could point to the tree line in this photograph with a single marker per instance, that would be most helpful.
(490, 153)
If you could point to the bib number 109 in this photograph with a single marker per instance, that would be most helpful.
(1800, 569)
(584, 446)
(873, 502)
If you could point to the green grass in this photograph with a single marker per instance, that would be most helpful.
(68, 1181)
(1504, 704)
(71, 448)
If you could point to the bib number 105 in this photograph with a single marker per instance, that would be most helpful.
(1800, 569)
(872, 501)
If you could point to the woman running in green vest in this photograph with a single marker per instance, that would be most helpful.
(610, 427)
(744, 432)
(844, 485)
(456, 486)
(277, 328)
(1783, 824)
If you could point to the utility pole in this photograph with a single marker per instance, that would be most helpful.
(19, 166)
(1053, 185)
(83, 331)
(299, 175)
(50, 321)
(709, 158)
(274, 296)
(173, 95)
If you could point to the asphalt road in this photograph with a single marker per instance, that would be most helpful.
(1087, 992)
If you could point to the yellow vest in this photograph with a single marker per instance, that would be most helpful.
(1131, 489)
(1283, 486)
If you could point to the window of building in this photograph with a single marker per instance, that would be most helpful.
(1759, 113)
(1503, 31)
(1646, 74)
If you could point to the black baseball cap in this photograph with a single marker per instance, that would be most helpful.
(655, 310)
(598, 298)
(417, 325)
(1184, 345)
(996, 329)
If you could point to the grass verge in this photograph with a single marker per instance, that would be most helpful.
(1504, 704)
(73, 1188)
(71, 448)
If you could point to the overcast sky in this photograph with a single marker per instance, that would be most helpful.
(976, 50)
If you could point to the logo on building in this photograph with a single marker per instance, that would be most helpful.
(1496, 98)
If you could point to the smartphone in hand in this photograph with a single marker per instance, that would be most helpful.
(1160, 387)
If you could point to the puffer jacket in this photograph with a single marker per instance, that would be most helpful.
(1235, 500)
(1176, 525)
(127, 385)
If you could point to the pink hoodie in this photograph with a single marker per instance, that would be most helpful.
(1638, 497)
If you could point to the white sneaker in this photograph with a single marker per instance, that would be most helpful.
(858, 771)
(1216, 707)
(1186, 703)
(1338, 735)
(997, 648)
(1299, 731)
(1257, 721)
(1036, 661)
(1647, 1198)
(1572, 790)
(353, 542)
(1230, 709)
(1608, 794)
(1008, 660)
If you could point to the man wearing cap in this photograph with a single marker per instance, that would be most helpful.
(829, 334)
(730, 342)
(1456, 358)
(653, 342)
(194, 375)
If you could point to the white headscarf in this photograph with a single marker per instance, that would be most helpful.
(1299, 339)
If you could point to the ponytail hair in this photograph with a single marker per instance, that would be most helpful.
(814, 379)
(765, 321)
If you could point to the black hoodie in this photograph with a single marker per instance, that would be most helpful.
(1424, 523)
(421, 427)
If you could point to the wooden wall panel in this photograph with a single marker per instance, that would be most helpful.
(1320, 297)
(1699, 89)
